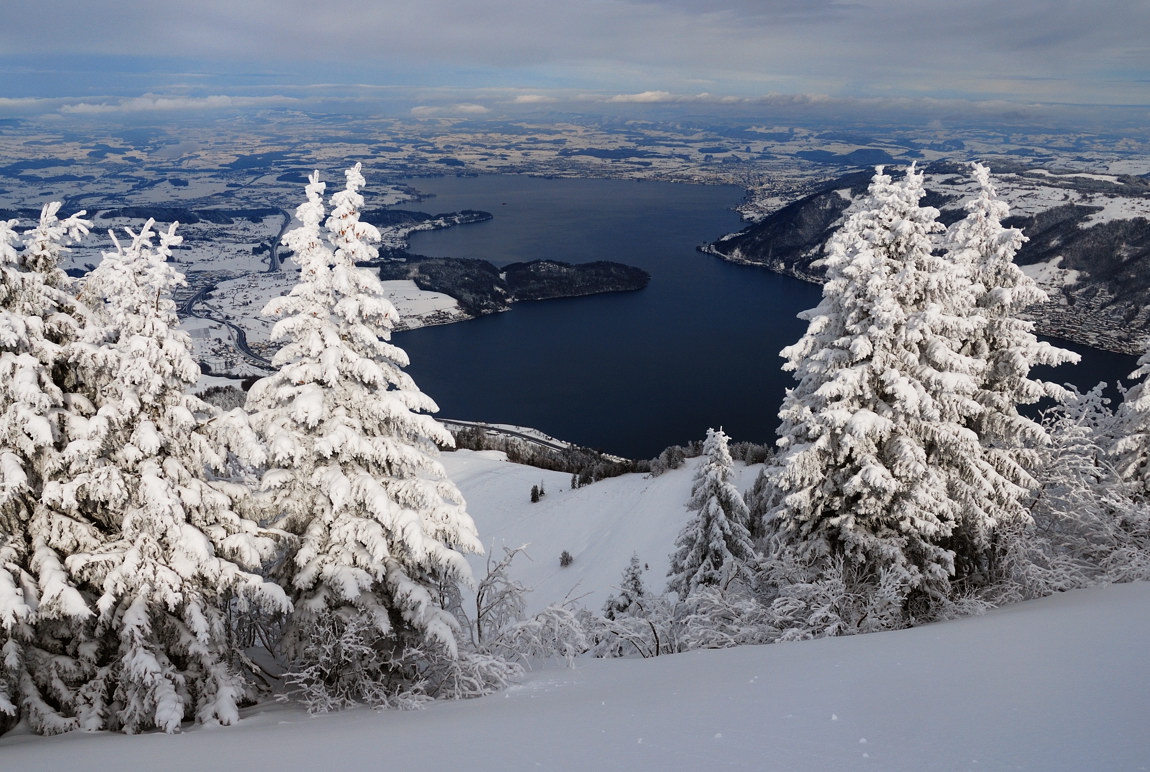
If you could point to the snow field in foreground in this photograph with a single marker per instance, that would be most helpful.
(1056, 684)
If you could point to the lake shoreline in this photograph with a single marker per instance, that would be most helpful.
(626, 373)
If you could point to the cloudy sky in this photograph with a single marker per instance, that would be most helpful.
(100, 54)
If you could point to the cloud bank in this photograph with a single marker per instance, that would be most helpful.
(1072, 51)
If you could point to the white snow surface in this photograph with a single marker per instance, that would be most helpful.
(1055, 684)
(1118, 208)
(421, 308)
(1050, 273)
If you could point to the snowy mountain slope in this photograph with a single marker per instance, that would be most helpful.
(1055, 684)
(601, 525)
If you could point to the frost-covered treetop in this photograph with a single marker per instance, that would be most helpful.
(44, 244)
(38, 319)
(33, 288)
(130, 294)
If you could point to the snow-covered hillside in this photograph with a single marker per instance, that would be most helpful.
(1055, 684)
(601, 525)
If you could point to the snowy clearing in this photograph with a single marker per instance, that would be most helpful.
(1117, 208)
(1081, 175)
(1055, 684)
(1049, 274)
(420, 308)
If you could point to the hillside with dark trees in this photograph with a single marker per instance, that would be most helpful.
(1106, 305)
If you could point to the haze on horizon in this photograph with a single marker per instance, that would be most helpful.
(481, 57)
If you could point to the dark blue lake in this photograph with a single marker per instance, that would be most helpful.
(628, 373)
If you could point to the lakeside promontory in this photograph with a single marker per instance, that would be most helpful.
(482, 288)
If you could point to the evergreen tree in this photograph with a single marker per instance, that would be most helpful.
(982, 247)
(761, 500)
(1087, 524)
(39, 320)
(353, 465)
(153, 537)
(714, 548)
(1130, 450)
(875, 449)
(635, 621)
(632, 592)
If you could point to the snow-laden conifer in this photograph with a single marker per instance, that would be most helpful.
(632, 592)
(1130, 450)
(714, 548)
(980, 246)
(39, 320)
(353, 465)
(633, 618)
(874, 444)
(1088, 524)
(150, 533)
(635, 621)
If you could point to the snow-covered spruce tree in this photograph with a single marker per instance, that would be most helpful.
(635, 621)
(154, 541)
(39, 605)
(353, 471)
(1130, 450)
(1081, 511)
(875, 449)
(982, 247)
(632, 591)
(714, 548)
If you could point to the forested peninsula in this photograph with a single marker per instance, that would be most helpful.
(482, 288)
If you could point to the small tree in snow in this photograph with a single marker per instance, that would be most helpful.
(353, 467)
(635, 620)
(500, 600)
(154, 540)
(502, 635)
(638, 622)
(714, 548)
(632, 592)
